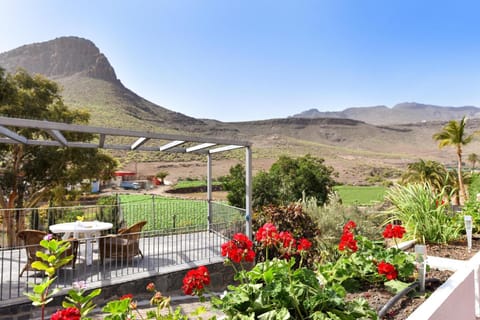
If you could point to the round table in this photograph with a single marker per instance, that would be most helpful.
(85, 229)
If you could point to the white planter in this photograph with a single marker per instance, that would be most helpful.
(457, 298)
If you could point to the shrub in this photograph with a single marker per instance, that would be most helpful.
(425, 214)
(290, 218)
(330, 219)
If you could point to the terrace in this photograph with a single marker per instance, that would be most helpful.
(179, 234)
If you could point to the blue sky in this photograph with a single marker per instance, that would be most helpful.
(249, 60)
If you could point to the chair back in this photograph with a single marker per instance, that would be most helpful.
(132, 232)
(31, 239)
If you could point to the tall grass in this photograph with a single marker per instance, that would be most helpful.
(424, 213)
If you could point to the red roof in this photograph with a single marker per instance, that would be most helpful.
(124, 173)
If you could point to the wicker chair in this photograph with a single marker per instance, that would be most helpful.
(32, 238)
(124, 245)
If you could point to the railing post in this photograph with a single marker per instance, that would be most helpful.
(209, 191)
(154, 213)
(248, 193)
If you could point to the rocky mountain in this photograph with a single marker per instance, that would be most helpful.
(89, 81)
(402, 113)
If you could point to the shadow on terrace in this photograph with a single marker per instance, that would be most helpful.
(177, 234)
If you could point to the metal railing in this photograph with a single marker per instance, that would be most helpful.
(177, 233)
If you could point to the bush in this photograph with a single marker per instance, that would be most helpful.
(330, 219)
(290, 218)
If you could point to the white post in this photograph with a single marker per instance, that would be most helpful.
(420, 257)
(209, 190)
(468, 229)
(248, 192)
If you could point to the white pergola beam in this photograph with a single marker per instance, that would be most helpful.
(57, 135)
(200, 147)
(12, 135)
(171, 145)
(225, 148)
(138, 143)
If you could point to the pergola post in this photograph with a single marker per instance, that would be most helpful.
(248, 192)
(209, 190)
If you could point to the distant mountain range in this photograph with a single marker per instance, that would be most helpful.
(402, 113)
(355, 141)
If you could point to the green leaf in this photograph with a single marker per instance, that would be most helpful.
(396, 286)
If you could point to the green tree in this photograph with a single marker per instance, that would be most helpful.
(429, 171)
(161, 175)
(304, 176)
(473, 159)
(288, 180)
(234, 183)
(30, 172)
(453, 134)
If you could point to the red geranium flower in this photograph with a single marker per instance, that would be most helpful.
(287, 239)
(240, 247)
(393, 231)
(304, 244)
(349, 226)
(347, 241)
(66, 314)
(267, 235)
(195, 280)
(151, 287)
(126, 296)
(388, 270)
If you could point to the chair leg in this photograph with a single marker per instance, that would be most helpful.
(23, 270)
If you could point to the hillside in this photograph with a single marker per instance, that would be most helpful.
(355, 147)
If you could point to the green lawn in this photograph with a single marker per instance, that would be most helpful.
(163, 212)
(361, 195)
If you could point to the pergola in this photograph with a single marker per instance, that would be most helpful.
(137, 140)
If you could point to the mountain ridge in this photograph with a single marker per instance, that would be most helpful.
(401, 113)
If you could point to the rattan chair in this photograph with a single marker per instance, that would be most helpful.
(124, 245)
(31, 240)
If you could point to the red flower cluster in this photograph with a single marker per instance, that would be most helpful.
(287, 239)
(348, 240)
(267, 235)
(66, 314)
(388, 270)
(393, 231)
(126, 296)
(240, 247)
(304, 244)
(195, 280)
(150, 287)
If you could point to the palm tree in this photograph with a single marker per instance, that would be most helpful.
(429, 171)
(473, 158)
(453, 134)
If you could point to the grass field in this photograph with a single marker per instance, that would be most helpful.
(165, 213)
(361, 195)
(162, 212)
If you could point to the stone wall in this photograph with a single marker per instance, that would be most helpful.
(168, 282)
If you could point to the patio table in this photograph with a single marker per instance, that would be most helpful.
(78, 229)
